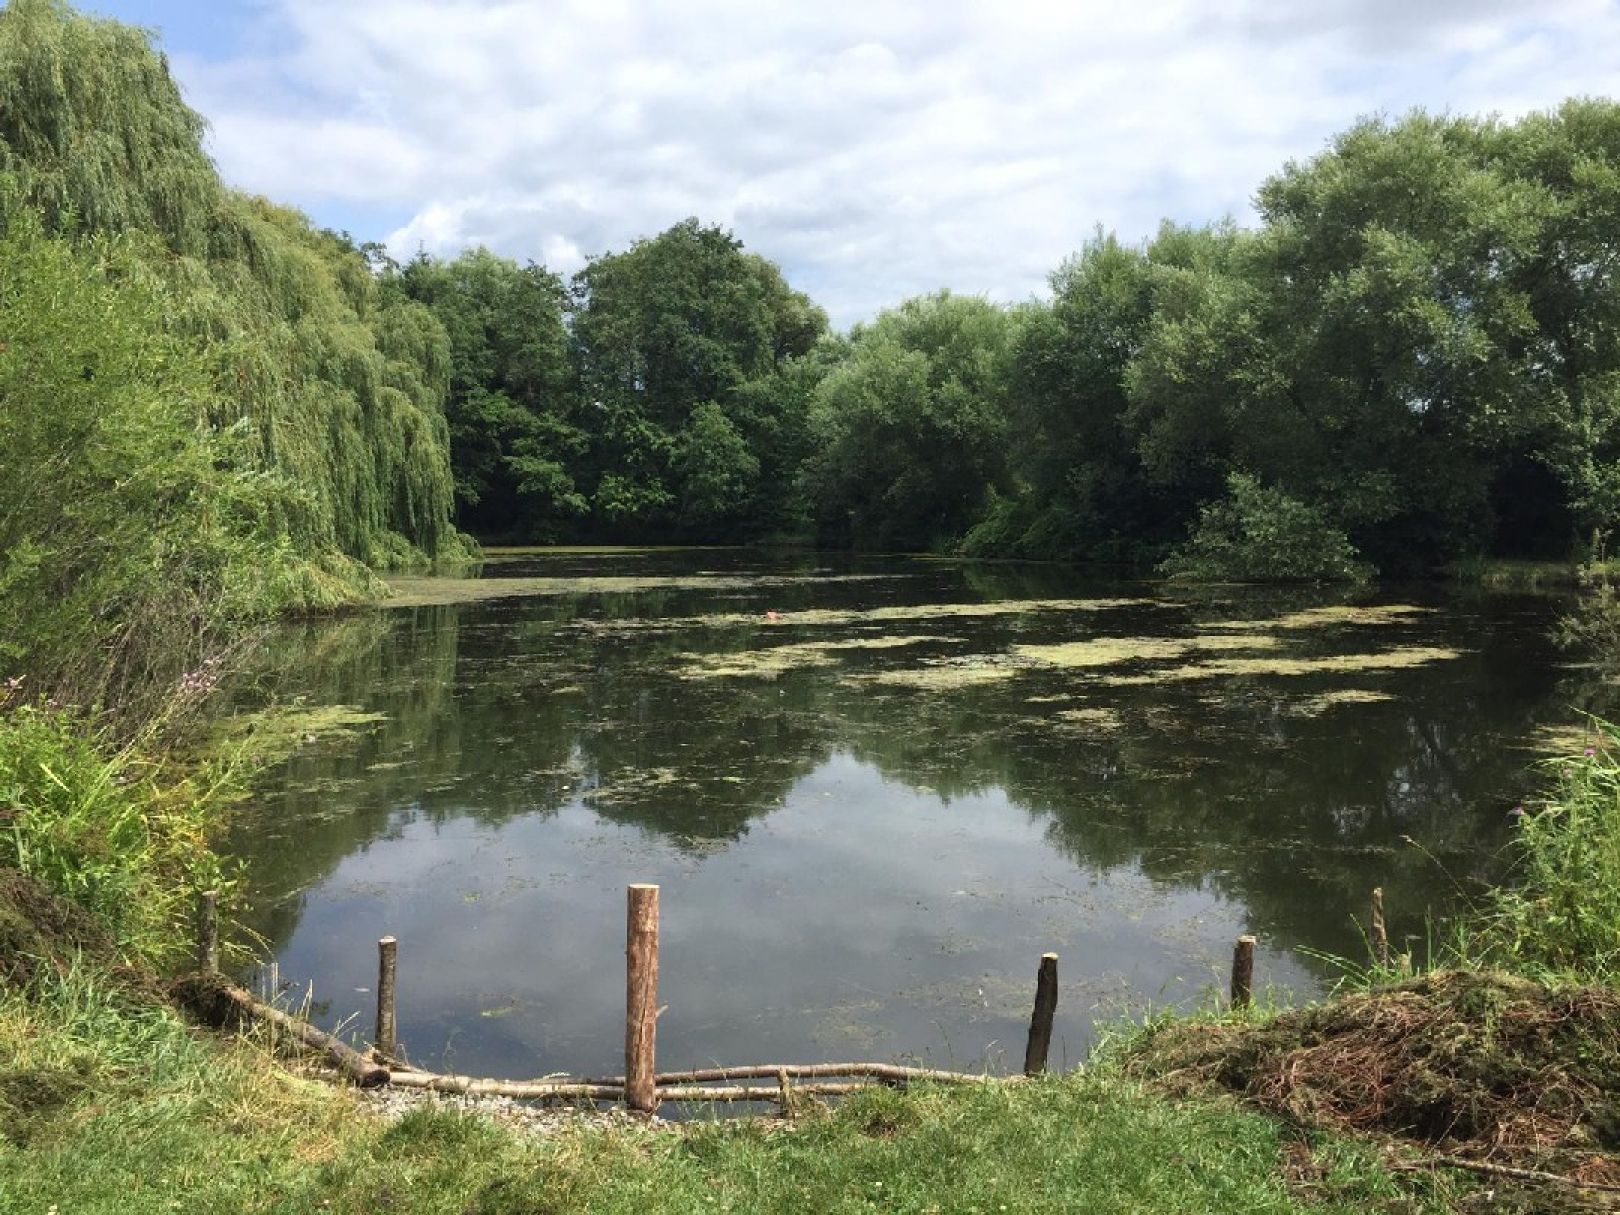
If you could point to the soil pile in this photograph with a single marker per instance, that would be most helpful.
(40, 928)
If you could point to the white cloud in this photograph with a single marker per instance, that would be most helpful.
(875, 149)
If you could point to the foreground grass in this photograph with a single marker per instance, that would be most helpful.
(109, 1103)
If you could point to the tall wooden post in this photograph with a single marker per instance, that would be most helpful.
(208, 932)
(387, 1028)
(1243, 972)
(1040, 1021)
(1377, 930)
(641, 998)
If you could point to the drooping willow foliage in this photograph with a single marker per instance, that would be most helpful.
(341, 384)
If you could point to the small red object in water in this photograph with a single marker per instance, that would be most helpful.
(773, 615)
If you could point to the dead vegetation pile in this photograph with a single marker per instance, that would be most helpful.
(38, 927)
(1477, 1065)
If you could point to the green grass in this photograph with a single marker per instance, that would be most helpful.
(109, 1103)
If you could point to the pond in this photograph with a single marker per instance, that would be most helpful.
(874, 792)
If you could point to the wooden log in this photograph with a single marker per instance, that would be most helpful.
(588, 1091)
(387, 963)
(1040, 1021)
(220, 1002)
(471, 1086)
(1378, 932)
(641, 997)
(1243, 972)
(208, 932)
(892, 1072)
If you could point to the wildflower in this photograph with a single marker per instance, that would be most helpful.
(1516, 813)
(1590, 751)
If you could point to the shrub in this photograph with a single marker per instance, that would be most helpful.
(1259, 533)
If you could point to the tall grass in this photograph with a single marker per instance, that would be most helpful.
(118, 830)
(1559, 915)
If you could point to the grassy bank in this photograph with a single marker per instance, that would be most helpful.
(110, 1103)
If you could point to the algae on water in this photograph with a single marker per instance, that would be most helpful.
(1107, 651)
(771, 662)
(272, 734)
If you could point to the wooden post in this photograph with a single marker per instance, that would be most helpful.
(1379, 933)
(387, 961)
(1040, 1021)
(641, 998)
(208, 932)
(1243, 972)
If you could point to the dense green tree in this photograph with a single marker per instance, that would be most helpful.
(131, 538)
(910, 425)
(514, 439)
(1080, 490)
(1568, 164)
(339, 387)
(685, 345)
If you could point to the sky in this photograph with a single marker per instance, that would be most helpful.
(874, 149)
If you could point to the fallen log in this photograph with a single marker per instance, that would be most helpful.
(573, 1090)
(216, 1001)
(877, 1071)
(522, 1090)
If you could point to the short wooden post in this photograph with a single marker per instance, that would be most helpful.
(641, 998)
(208, 932)
(1243, 972)
(1040, 1021)
(387, 1031)
(1378, 932)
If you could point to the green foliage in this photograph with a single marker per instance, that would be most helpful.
(339, 388)
(132, 535)
(119, 832)
(673, 338)
(1559, 917)
(909, 425)
(1260, 534)
(515, 439)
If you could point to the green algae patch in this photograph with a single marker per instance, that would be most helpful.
(943, 676)
(1399, 659)
(1110, 651)
(776, 660)
(1089, 721)
(416, 591)
(275, 733)
(1315, 706)
(1570, 738)
(1331, 616)
(872, 618)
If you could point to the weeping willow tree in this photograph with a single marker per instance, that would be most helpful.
(338, 386)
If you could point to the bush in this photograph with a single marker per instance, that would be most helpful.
(1260, 534)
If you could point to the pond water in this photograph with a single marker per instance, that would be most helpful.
(873, 791)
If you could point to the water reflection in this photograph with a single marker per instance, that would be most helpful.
(855, 867)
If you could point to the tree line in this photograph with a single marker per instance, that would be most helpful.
(210, 408)
(1413, 357)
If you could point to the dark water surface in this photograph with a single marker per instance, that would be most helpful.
(871, 814)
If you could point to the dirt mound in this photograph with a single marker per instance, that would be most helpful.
(40, 928)
(37, 926)
(1482, 1065)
